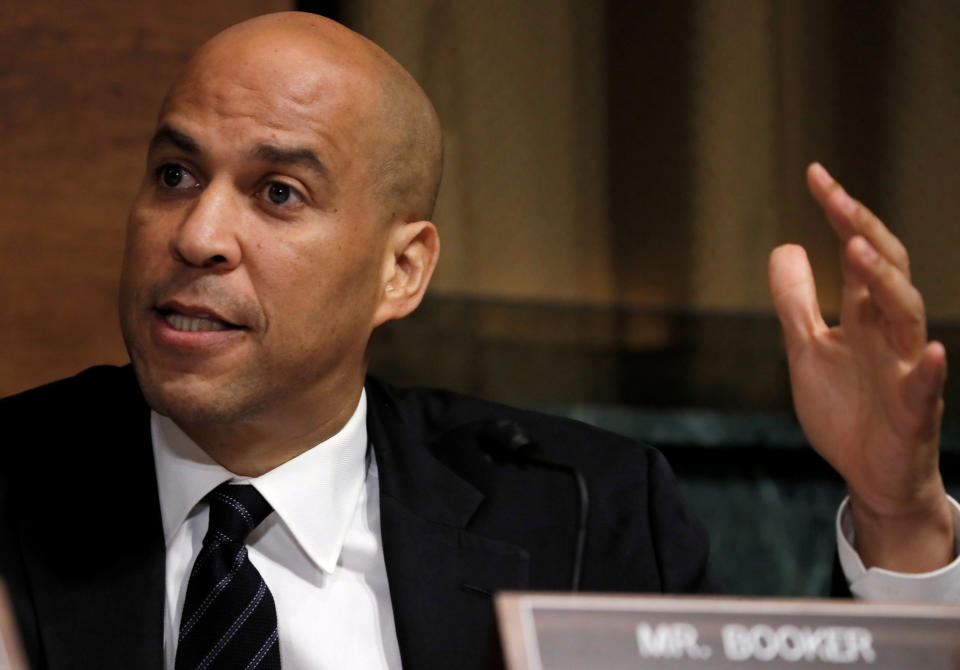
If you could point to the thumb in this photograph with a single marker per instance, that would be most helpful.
(794, 295)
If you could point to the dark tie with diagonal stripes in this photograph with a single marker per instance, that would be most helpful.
(229, 621)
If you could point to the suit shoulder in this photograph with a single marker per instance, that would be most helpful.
(98, 378)
(83, 397)
(641, 535)
(442, 414)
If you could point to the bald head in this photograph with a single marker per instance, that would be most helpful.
(392, 124)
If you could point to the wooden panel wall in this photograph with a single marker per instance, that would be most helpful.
(649, 154)
(519, 87)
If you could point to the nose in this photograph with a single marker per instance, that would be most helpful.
(208, 234)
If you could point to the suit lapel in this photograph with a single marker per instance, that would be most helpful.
(93, 546)
(441, 575)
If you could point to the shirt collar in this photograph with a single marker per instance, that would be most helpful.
(315, 494)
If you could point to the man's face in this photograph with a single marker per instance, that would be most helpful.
(254, 253)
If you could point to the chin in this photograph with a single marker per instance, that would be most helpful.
(190, 399)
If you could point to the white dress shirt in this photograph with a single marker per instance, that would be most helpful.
(321, 553)
(938, 586)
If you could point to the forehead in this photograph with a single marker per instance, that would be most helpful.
(279, 94)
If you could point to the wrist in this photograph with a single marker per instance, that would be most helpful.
(911, 538)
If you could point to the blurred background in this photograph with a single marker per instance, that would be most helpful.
(616, 175)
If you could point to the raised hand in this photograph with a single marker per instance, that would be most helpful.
(868, 392)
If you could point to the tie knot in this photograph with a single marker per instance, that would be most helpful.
(235, 510)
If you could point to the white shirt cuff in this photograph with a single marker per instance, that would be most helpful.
(939, 586)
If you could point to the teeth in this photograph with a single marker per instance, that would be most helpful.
(193, 324)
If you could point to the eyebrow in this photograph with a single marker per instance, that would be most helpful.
(270, 153)
(169, 135)
(303, 157)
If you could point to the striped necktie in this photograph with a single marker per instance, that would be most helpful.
(229, 620)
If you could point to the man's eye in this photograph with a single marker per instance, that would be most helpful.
(172, 175)
(278, 193)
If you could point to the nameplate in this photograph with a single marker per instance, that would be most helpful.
(541, 631)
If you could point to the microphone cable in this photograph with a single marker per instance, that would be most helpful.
(504, 440)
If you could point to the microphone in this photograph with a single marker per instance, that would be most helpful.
(505, 441)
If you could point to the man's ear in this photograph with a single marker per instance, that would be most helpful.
(410, 257)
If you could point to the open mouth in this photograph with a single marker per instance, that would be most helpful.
(195, 323)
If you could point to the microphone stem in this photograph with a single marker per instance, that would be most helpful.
(583, 507)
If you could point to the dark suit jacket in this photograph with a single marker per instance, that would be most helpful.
(83, 544)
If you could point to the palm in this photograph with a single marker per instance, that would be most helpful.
(851, 396)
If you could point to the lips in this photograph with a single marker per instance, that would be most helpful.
(194, 326)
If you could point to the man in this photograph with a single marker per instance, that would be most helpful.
(283, 216)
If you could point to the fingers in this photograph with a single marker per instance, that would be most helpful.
(932, 370)
(924, 388)
(873, 257)
(891, 292)
(848, 217)
(794, 294)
